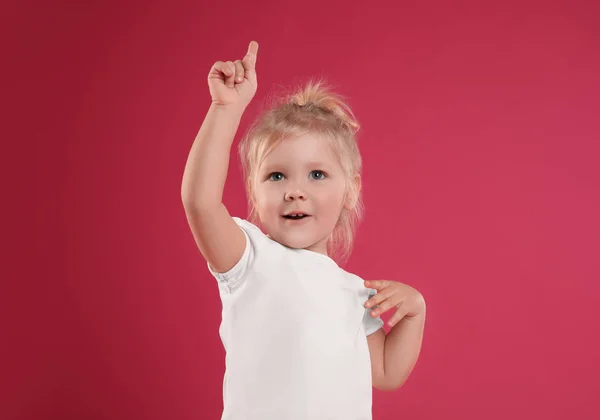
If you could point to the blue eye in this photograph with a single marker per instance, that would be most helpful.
(320, 172)
(274, 173)
(320, 175)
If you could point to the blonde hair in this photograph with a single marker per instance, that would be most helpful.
(317, 110)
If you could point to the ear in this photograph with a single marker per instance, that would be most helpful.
(351, 200)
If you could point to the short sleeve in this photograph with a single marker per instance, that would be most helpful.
(233, 278)
(371, 324)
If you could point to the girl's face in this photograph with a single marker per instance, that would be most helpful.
(300, 175)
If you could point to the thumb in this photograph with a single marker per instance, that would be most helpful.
(249, 61)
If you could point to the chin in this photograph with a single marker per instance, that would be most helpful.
(296, 244)
(293, 241)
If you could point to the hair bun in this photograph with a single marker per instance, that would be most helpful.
(317, 96)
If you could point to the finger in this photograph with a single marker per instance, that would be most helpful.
(377, 284)
(384, 306)
(239, 71)
(252, 54)
(397, 317)
(220, 67)
(223, 68)
(378, 312)
(377, 298)
(229, 81)
(249, 61)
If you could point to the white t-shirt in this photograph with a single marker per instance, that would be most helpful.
(294, 329)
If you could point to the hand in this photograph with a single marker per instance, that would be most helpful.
(234, 83)
(391, 294)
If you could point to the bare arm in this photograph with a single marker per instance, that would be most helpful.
(401, 350)
(394, 355)
(208, 161)
(220, 240)
(216, 234)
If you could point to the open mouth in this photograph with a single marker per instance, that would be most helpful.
(296, 217)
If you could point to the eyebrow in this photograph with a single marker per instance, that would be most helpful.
(312, 163)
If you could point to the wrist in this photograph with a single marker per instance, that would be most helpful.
(230, 108)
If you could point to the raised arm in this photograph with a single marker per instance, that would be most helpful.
(219, 239)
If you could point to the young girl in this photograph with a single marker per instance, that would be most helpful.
(299, 341)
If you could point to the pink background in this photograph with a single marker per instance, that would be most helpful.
(480, 138)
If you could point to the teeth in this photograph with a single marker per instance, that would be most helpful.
(296, 215)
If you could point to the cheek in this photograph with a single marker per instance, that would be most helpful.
(332, 202)
(267, 202)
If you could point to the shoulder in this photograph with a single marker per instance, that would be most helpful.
(252, 231)
(355, 278)
(244, 223)
(358, 282)
(258, 240)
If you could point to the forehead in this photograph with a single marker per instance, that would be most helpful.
(305, 150)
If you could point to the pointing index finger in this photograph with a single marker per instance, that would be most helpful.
(252, 51)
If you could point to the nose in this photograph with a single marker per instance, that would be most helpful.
(295, 195)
